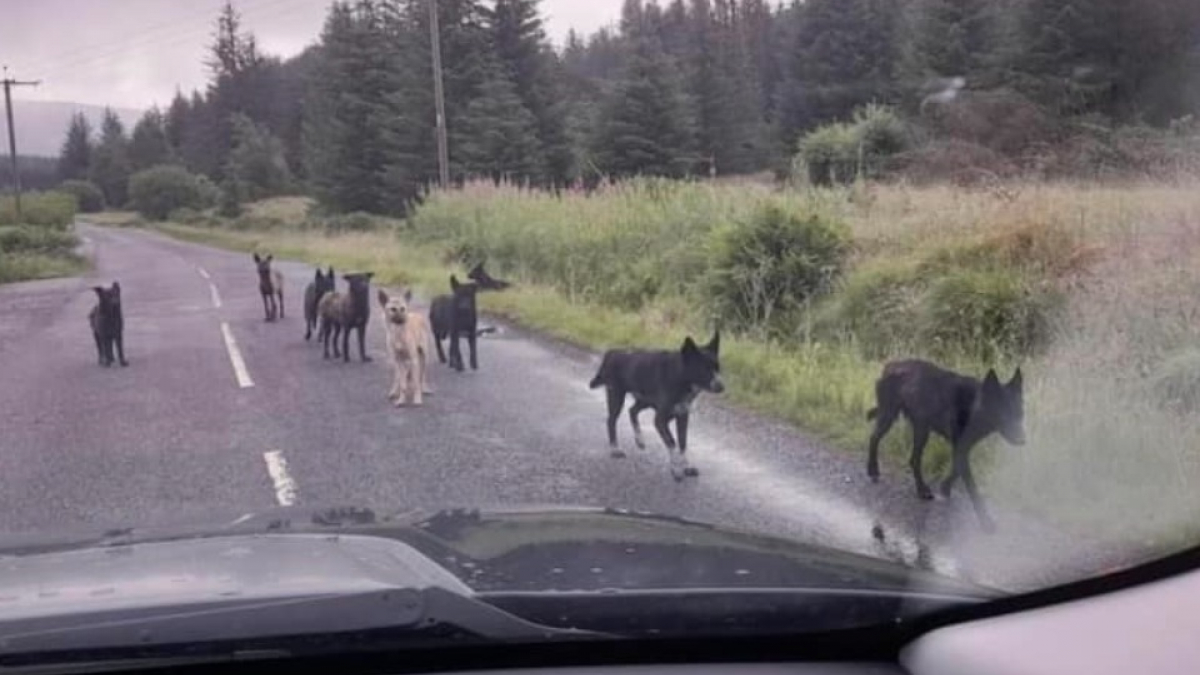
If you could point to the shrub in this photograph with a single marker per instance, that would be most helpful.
(157, 191)
(27, 238)
(47, 209)
(877, 306)
(352, 222)
(987, 315)
(88, 197)
(773, 264)
(840, 152)
(831, 154)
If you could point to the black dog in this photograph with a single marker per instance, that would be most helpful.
(668, 382)
(454, 316)
(341, 312)
(108, 325)
(960, 409)
(270, 286)
(486, 281)
(321, 284)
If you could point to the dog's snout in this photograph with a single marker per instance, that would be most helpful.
(715, 385)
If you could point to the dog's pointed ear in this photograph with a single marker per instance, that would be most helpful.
(408, 295)
(383, 298)
(331, 274)
(270, 257)
(714, 345)
(454, 283)
(991, 383)
(369, 275)
(256, 258)
(689, 348)
(99, 290)
(319, 276)
(1017, 382)
(116, 288)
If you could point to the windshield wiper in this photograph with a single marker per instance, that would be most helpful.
(281, 627)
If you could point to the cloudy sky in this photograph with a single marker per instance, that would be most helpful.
(134, 53)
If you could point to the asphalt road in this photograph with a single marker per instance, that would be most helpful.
(179, 436)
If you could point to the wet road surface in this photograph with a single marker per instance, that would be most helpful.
(221, 413)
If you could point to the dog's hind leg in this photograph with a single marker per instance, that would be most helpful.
(635, 410)
(920, 439)
(362, 343)
(471, 337)
(99, 348)
(962, 465)
(281, 303)
(885, 417)
(616, 401)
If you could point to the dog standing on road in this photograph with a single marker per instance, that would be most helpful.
(960, 409)
(408, 338)
(108, 325)
(270, 285)
(668, 382)
(321, 284)
(486, 281)
(341, 312)
(455, 316)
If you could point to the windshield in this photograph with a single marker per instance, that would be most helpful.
(887, 296)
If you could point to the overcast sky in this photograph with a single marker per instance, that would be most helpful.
(134, 53)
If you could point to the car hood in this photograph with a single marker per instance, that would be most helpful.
(287, 552)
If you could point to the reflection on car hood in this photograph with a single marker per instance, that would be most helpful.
(293, 551)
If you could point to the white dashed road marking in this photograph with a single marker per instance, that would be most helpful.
(216, 297)
(203, 272)
(285, 487)
(235, 358)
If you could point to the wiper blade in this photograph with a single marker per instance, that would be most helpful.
(234, 626)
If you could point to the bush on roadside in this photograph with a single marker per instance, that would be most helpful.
(841, 152)
(986, 315)
(773, 265)
(88, 197)
(28, 238)
(47, 209)
(159, 190)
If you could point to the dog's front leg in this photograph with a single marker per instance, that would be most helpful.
(456, 361)
(362, 343)
(471, 347)
(662, 424)
(99, 348)
(120, 342)
(395, 390)
(414, 381)
(681, 429)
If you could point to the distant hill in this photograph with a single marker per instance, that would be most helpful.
(42, 125)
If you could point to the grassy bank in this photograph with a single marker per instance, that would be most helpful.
(39, 245)
(1092, 289)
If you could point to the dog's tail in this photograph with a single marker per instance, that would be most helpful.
(872, 414)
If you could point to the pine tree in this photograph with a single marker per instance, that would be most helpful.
(257, 162)
(951, 38)
(500, 134)
(76, 156)
(843, 55)
(201, 149)
(148, 144)
(522, 49)
(175, 121)
(644, 125)
(110, 166)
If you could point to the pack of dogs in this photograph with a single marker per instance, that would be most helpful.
(961, 409)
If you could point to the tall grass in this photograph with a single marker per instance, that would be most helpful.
(39, 246)
(46, 209)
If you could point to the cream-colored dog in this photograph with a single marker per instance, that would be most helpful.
(408, 342)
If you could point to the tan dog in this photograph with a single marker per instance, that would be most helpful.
(408, 340)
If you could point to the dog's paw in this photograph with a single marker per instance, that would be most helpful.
(691, 471)
(617, 453)
(367, 359)
(124, 363)
(924, 493)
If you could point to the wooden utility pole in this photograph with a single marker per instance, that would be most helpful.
(439, 97)
(9, 83)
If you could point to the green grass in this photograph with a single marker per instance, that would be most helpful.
(30, 266)
(48, 209)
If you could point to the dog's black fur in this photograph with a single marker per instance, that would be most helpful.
(108, 325)
(454, 316)
(961, 409)
(356, 313)
(486, 281)
(321, 284)
(668, 382)
(268, 288)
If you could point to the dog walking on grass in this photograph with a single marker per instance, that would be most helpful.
(668, 382)
(960, 409)
(270, 286)
(108, 325)
(321, 284)
(341, 312)
(408, 341)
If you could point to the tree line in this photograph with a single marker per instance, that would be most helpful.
(687, 87)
